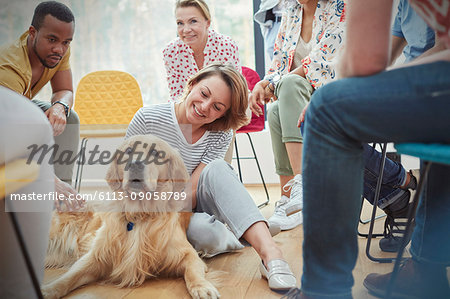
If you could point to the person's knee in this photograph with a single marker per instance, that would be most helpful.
(216, 167)
(73, 118)
(214, 174)
(327, 110)
(294, 91)
(321, 102)
(202, 235)
(292, 79)
(210, 236)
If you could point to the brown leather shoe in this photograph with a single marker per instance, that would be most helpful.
(414, 280)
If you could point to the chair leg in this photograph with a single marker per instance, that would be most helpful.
(260, 173)
(409, 227)
(81, 161)
(374, 209)
(237, 159)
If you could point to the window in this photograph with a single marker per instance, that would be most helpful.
(129, 35)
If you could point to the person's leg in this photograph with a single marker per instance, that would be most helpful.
(210, 237)
(22, 124)
(280, 154)
(433, 221)
(293, 93)
(67, 142)
(342, 116)
(220, 193)
(425, 275)
(394, 195)
(394, 176)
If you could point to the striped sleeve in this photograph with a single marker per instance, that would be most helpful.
(217, 148)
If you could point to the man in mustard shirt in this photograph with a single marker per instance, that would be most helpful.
(41, 55)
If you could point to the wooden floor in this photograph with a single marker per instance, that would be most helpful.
(242, 278)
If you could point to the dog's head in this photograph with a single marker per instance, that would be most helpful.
(146, 169)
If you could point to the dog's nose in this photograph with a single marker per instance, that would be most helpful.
(137, 165)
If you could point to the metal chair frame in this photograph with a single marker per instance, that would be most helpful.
(255, 157)
(370, 235)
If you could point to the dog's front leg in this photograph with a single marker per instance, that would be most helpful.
(194, 276)
(83, 271)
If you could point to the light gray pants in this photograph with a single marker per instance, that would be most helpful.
(23, 124)
(67, 141)
(225, 210)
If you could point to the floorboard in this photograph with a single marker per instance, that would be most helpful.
(239, 276)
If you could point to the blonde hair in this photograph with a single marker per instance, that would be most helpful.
(235, 117)
(199, 4)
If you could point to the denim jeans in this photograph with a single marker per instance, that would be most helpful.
(403, 105)
(270, 37)
(393, 176)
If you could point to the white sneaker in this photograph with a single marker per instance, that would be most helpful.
(295, 203)
(279, 217)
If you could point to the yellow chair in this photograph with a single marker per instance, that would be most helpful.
(105, 102)
(17, 174)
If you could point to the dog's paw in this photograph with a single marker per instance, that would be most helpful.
(204, 291)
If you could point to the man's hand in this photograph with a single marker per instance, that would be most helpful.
(57, 118)
(69, 203)
(261, 94)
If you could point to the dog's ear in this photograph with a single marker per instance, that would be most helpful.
(178, 172)
(113, 177)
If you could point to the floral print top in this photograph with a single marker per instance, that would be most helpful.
(328, 37)
(180, 63)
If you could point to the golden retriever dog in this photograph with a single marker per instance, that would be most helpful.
(135, 237)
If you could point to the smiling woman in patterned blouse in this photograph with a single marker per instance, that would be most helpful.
(196, 46)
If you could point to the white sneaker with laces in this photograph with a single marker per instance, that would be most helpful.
(287, 212)
(295, 203)
(280, 219)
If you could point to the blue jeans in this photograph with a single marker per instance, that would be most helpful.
(270, 37)
(403, 105)
(394, 175)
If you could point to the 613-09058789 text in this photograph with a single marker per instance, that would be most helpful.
(137, 196)
(101, 195)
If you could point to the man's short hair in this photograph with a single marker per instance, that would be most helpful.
(53, 8)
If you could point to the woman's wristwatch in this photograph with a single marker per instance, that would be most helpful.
(273, 81)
